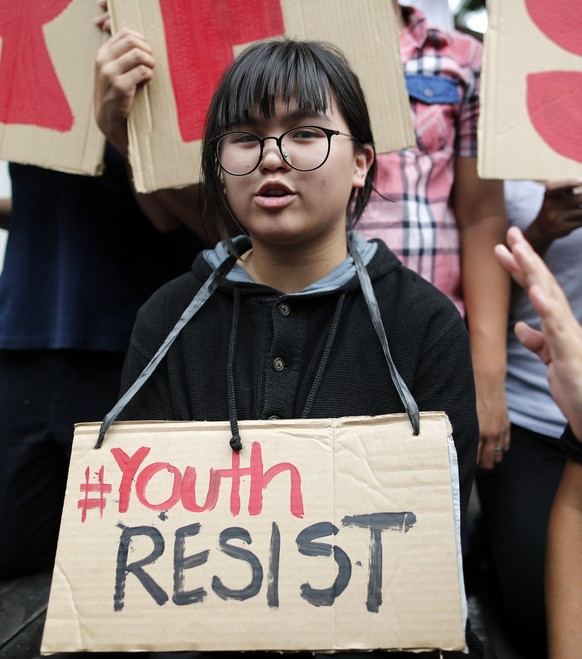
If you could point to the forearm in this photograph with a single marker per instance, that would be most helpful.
(5, 212)
(536, 237)
(486, 294)
(564, 567)
(170, 208)
(480, 211)
(486, 291)
(559, 215)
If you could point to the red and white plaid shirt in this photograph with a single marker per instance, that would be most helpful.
(415, 218)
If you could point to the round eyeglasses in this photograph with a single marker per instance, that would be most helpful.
(305, 148)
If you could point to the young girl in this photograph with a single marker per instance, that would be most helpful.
(287, 332)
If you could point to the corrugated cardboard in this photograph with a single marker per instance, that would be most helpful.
(531, 116)
(46, 90)
(248, 569)
(365, 31)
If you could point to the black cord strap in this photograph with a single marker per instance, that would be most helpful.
(366, 285)
(209, 286)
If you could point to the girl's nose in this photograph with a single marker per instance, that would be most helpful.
(273, 155)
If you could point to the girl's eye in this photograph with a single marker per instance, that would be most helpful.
(243, 139)
(307, 133)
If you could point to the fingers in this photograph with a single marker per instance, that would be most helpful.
(103, 21)
(491, 450)
(123, 63)
(533, 340)
(507, 261)
(561, 211)
(128, 39)
(561, 185)
(126, 52)
(493, 425)
(524, 265)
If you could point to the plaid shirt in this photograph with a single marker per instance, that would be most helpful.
(415, 218)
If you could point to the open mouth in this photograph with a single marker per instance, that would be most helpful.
(278, 192)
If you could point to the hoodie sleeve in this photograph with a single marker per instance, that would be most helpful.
(444, 381)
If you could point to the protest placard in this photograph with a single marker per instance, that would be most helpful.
(194, 42)
(531, 117)
(47, 57)
(318, 535)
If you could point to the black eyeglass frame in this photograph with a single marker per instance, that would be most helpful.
(329, 132)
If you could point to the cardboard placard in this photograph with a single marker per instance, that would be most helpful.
(194, 42)
(531, 115)
(318, 535)
(47, 59)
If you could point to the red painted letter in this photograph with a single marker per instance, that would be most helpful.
(189, 491)
(146, 474)
(560, 21)
(199, 40)
(129, 467)
(260, 480)
(30, 92)
(554, 104)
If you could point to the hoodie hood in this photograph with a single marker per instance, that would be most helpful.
(334, 280)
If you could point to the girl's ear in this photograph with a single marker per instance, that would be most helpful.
(364, 158)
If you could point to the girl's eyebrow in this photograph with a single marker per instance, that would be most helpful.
(296, 115)
(300, 115)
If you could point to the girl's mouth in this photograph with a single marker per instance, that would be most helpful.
(274, 195)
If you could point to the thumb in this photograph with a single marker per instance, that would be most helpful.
(533, 340)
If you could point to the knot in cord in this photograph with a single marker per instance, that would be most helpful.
(235, 443)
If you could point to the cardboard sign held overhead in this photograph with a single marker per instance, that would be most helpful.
(531, 116)
(319, 535)
(47, 58)
(193, 42)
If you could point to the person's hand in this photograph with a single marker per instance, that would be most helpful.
(559, 344)
(123, 63)
(560, 214)
(493, 419)
(103, 21)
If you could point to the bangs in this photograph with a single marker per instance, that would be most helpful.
(266, 73)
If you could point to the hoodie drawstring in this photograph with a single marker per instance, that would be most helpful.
(368, 290)
(235, 441)
(209, 286)
(202, 296)
(324, 358)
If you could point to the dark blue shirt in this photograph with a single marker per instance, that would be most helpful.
(81, 258)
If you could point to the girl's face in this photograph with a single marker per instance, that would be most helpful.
(283, 207)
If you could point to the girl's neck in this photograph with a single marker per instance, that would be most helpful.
(291, 269)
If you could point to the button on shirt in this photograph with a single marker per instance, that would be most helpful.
(284, 322)
(415, 219)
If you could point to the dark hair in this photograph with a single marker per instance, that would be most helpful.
(308, 72)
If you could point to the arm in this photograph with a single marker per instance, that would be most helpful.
(564, 566)
(5, 212)
(559, 344)
(444, 381)
(123, 64)
(480, 211)
(559, 215)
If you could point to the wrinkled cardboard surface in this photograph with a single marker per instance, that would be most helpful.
(348, 467)
(365, 31)
(72, 41)
(517, 49)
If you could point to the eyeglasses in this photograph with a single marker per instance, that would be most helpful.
(304, 148)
